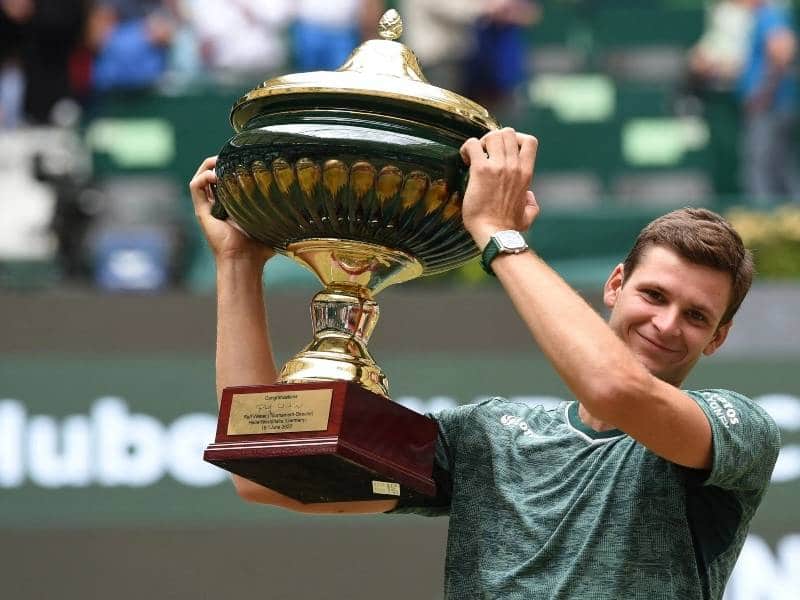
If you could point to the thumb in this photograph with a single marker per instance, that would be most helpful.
(531, 210)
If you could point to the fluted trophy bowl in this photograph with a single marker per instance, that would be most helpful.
(355, 174)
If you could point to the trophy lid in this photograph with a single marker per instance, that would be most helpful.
(379, 69)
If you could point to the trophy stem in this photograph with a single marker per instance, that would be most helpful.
(350, 311)
(344, 314)
(343, 319)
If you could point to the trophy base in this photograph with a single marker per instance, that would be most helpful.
(329, 441)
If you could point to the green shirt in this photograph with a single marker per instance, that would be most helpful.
(543, 507)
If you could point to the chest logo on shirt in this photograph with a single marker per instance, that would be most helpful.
(515, 422)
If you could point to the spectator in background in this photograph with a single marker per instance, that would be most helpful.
(497, 64)
(14, 16)
(325, 33)
(38, 41)
(242, 38)
(715, 64)
(718, 57)
(768, 92)
(185, 63)
(131, 39)
(441, 35)
(473, 47)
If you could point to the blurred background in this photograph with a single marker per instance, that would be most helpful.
(106, 289)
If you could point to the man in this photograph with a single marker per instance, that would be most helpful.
(638, 488)
(768, 92)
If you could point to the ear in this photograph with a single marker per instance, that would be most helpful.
(719, 337)
(613, 286)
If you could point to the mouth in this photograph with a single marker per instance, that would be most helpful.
(656, 345)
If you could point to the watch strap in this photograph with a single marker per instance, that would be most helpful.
(495, 247)
(490, 252)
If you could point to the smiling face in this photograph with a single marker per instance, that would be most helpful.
(668, 311)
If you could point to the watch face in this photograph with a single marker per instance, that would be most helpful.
(510, 241)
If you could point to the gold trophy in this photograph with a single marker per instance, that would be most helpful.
(355, 174)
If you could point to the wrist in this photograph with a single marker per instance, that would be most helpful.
(241, 266)
(482, 233)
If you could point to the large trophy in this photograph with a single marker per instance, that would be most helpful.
(356, 175)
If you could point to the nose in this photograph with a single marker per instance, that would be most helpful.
(667, 321)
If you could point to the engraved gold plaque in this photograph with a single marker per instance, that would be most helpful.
(279, 412)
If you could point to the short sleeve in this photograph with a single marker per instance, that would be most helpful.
(450, 424)
(746, 440)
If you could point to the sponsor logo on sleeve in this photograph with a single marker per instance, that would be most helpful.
(723, 410)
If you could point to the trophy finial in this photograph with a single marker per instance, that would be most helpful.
(390, 27)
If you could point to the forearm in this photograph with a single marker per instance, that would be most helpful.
(588, 356)
(244, 352)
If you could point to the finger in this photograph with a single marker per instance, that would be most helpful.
(202, 180)
(208, 163)
(510, 145)
(199, 186)
(472, 151)
(494, 145)
(528, 147)
(211, 193)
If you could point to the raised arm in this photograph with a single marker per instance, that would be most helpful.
(600, 370)
(244, 352)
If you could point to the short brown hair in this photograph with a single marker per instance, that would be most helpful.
(702, 237)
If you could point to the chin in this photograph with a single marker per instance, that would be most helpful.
(659, 370)
(649, 363)
(669, 378)
(674, 377)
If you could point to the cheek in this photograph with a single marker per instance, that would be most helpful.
(698, 341)
(636, 311)
(626, 316)
(708, 344)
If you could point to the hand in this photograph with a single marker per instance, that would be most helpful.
(225, 240)
(500, 173)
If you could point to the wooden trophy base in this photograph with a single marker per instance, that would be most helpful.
(329, 441)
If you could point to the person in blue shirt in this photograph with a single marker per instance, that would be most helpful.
(768, 92)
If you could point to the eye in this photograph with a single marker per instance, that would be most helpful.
(697, 316)
(653, 295)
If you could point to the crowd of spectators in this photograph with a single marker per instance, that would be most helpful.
(60, 55)
(61, 59)
(56, 53)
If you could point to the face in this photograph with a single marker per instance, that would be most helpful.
(668, 311)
